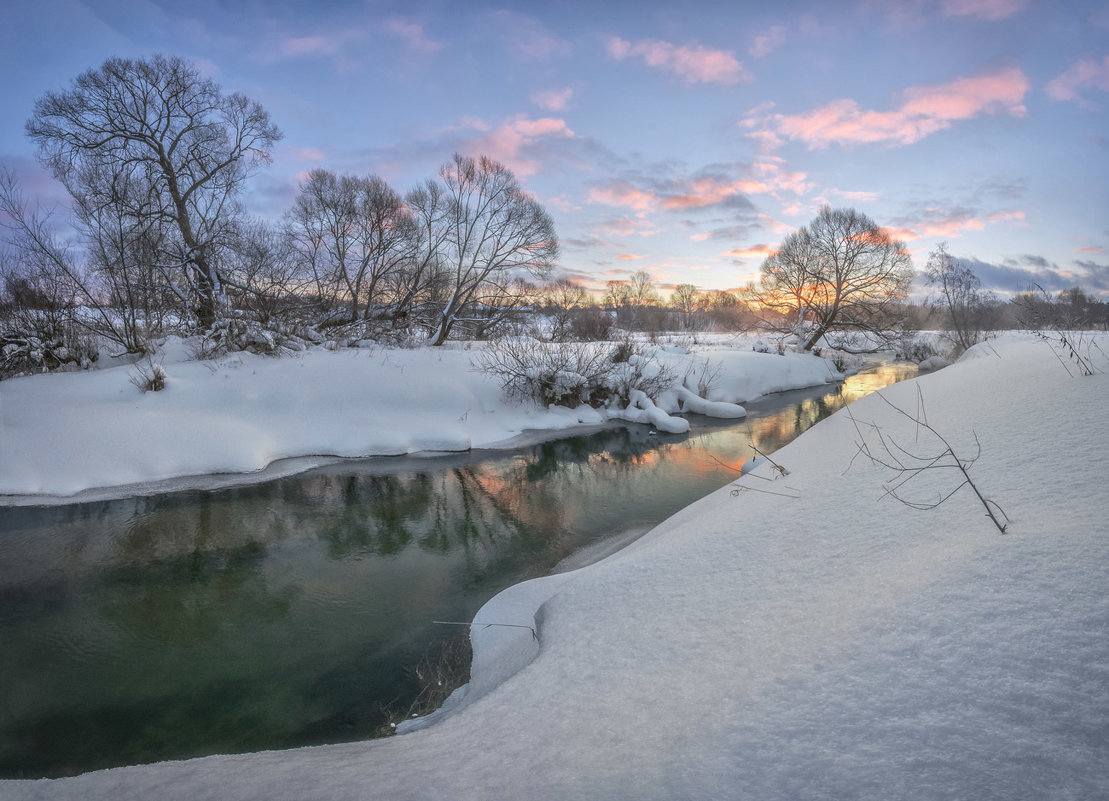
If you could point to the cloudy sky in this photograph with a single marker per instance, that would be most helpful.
(682, 138)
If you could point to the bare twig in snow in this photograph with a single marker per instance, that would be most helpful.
(882, 449)
(782, 471)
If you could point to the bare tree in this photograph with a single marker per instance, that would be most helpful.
(353, 235)
(265, 276)
(786, 291)
(643, 291)
(841, 271)
(122, 249)
(183, 147)
(495, 234)
(1077, 310)
(562, 300)
(43, 260)
(724, 308)
(684, 300)
(618, 295)
(631, 299)
(420, 287)
(957, 294)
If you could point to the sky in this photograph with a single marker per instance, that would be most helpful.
(683, 138)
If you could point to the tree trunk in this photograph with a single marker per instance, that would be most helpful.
(816, 335)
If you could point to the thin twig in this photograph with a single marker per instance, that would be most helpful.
(908, 465)
(738, 488)
(781, 470)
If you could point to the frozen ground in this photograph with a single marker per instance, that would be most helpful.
(71, 433)
(804, 638)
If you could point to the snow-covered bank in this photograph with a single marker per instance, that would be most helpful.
(806, 638)
(69, 433)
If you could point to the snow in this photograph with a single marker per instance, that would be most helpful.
(695, 404)
(66, 434)
(799, 637)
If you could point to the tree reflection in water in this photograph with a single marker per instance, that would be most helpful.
(288, 613)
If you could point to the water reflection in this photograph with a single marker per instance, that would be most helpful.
(289, 612)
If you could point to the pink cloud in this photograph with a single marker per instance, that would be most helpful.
(839, 195)
(508, 142)
(1087, 73)
(412, 34)
(768, 141)
(547, 126)
(692, 63)
(753, 252)
(983, 9)
(1005, 216)
(900, 234)
(332, 44)
(772, 170)
(924, 111)
(768, 41)
(856, 196)
(769, 177)
(624, 228)
(766, 176)
(702, 192)
(562, 204)
(773, 225)
(554, 99)
(630, 257)
(1090, 250)
(313, 154)
(953, 225)
(623, 194)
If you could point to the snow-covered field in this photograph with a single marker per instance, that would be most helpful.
(803, 638)
(69, 433)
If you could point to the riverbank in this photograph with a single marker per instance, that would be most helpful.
(92, 435)
(801, 636)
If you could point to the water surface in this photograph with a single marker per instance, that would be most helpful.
(294, 612)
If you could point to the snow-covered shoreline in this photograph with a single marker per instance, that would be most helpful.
(816, 641)
(245, 418)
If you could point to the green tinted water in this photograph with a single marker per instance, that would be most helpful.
(294, 612)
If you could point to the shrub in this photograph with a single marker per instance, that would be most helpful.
(573, 373)
(36, 341)
(241, 332)
(149, 375)
(912, 347)
(591, 324)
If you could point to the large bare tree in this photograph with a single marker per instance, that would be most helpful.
(839, 272)
(181, 146)
(492, 234)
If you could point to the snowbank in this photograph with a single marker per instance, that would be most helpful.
(68, 433)
(805, 637)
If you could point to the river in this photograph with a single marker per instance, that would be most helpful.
(296, 611)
